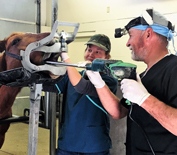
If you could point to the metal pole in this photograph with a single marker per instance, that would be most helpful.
(54, 11)
(60, 112)
(35, 97)
(52, 96)
(46, 110)
(38, 22)
(52, 100)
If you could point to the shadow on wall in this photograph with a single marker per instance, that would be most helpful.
(118, 133)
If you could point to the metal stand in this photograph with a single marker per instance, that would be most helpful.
(52, 106)
(52, 96)
(35, 96)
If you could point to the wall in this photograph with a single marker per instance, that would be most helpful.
(103, 16)
(15, 16)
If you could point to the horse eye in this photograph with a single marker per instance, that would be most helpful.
(15, 41)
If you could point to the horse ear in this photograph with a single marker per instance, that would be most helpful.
(2, 45)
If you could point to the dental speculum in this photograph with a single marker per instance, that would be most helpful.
(59, 43)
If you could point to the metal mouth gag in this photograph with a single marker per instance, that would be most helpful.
(58, 44)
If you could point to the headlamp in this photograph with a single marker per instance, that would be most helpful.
(120, 32)
(148, 17)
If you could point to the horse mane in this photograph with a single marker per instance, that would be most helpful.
(2, 62)
(2, 45)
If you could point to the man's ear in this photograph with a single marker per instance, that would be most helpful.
(148, 32)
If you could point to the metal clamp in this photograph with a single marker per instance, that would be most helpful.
(59, 47)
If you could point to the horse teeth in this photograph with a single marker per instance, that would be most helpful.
(46, 56)
(56, 40)
(53, 41)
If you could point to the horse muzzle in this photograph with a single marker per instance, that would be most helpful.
(52, 46)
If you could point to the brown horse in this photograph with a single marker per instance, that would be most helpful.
(13, 44)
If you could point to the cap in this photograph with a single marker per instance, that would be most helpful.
(101, 41)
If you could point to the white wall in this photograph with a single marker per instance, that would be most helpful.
(103, 16)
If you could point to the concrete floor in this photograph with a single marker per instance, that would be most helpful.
(16, 141)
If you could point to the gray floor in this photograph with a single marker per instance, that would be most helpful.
(16, 141)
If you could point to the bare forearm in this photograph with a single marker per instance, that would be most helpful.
(73, 74)
(164, 114)
(111, 103)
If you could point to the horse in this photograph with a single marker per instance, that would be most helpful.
(14, 43)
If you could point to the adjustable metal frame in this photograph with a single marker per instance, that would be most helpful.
(56, 48)
(35, 97)
(35, 93)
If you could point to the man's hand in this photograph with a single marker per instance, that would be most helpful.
(134, 91)
(95, 78)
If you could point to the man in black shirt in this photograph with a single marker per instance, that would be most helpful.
(152, 116)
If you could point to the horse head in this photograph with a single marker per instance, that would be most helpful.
(15, 50)
(19, 41)
(10, 59)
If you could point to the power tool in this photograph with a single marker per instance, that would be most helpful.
(114, 68)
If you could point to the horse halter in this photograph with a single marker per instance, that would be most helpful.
(13, 55)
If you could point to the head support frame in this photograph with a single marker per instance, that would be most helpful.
(58, 47)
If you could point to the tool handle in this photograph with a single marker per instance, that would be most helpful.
(133, 74)
(96, 65)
